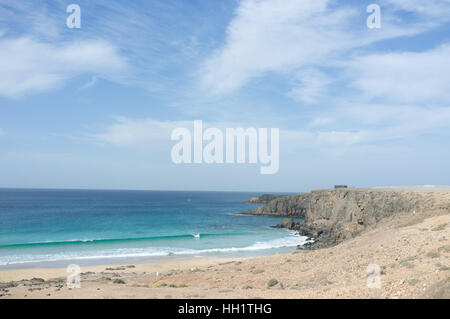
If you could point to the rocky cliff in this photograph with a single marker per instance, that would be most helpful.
(331, 216)
(264, 199)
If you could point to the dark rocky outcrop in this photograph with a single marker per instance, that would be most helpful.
(286, 223)
(331, 216)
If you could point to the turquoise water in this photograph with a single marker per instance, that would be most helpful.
(54, 228)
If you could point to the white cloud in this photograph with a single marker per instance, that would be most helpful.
(405, 77)
(321, 121)
(267, 37)
(145, 133)
(437, 9)
(394, 121)
(310, 139)
(310, 86)
(342, 138)
(367, 124)
(2, 132)
(89, 84)
(43, 21)
(342, 127)
(27, 65)
(126, 132)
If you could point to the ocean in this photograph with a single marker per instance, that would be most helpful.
(55, 228)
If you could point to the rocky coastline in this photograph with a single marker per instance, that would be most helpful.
(333, 216)
(264, 199)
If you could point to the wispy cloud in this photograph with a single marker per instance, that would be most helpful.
(146, 132)
(405, 77)
(27, 65)
(372, 123)
(435, 9)
(321, 121)
(265, 37)
(143, 132)
(151, 39)
(345, 125)
(309, 86)
(89, 84)
(41, 21)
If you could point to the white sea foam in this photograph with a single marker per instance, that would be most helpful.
(288, 241)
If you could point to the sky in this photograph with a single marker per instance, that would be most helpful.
(94, 107)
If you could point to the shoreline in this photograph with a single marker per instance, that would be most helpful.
(413, 256)
(114, 261)
(409, 244)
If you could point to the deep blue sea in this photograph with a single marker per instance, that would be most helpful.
(55, 228)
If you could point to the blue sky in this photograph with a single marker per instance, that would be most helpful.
(94, 107)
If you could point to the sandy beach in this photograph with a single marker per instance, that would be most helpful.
(412, 251)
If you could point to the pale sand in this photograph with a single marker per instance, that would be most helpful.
(412, 250)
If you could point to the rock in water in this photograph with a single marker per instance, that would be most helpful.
(287, 223)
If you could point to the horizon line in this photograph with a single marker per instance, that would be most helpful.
(141, 190)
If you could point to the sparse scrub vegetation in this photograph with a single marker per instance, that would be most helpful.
(413, 282)
(433, 254)
(272, 282)
(407, 262)
(258, 271)
(439, 227)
